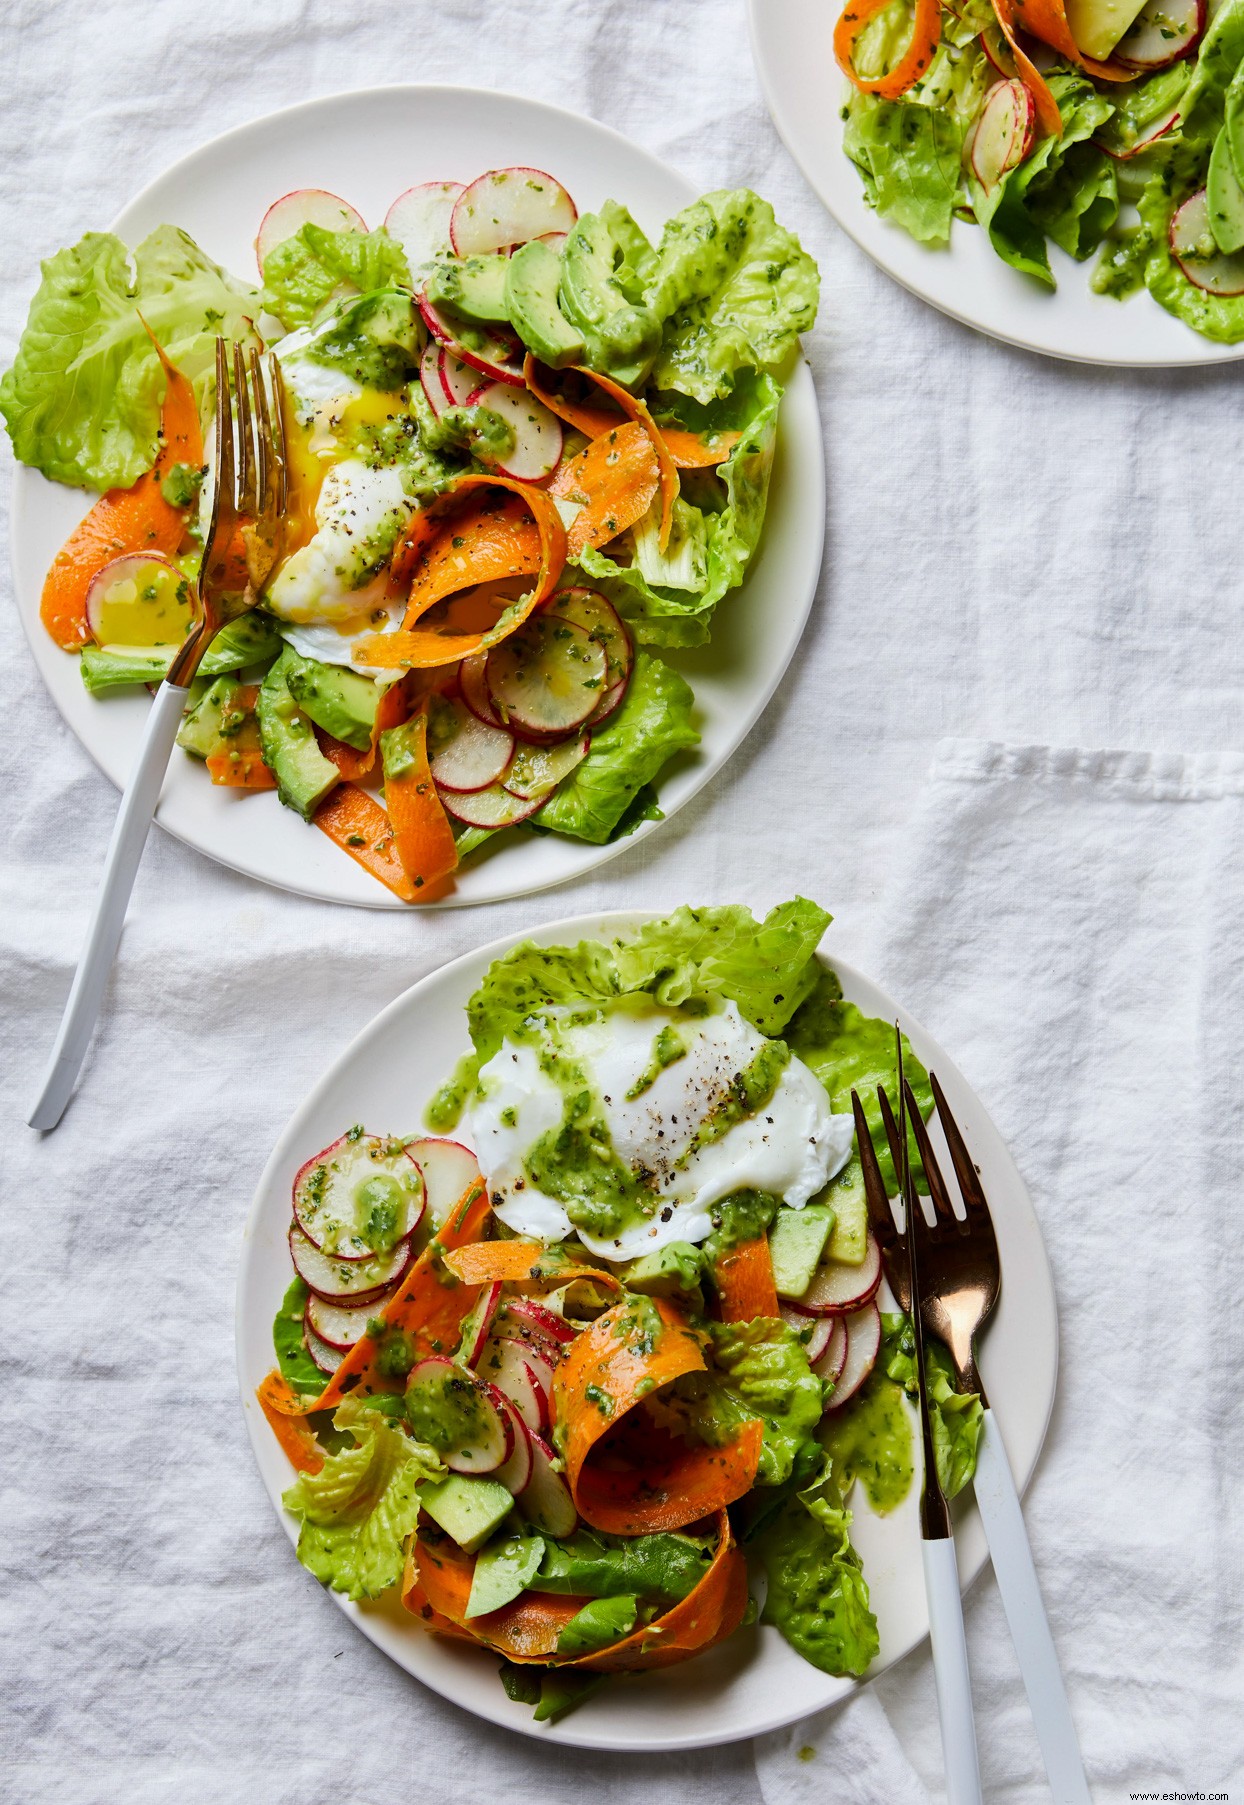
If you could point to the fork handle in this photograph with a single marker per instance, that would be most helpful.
(1009, 1548)
(125, 849)
(950, 1671)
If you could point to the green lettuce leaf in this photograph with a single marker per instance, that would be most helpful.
(734, 290)
(82, 399)
(305, 271)
(910, 157)
(955, 1416)
(761, 1370)
(1220, 55)
(600, 1622)
(590, 1564)
(298, 1369)
(818, 1597)
(653, 723)
(358, 1510)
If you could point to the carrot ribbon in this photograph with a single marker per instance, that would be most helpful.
(355, 821)
(614, 479)
(925, 32)
(422, 834)
(744, 1280)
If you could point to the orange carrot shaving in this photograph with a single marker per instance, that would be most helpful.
(698, 450)
(492, 1262)
(614, 479)
(391, 711)
(592, 419)
(526, 1630)
(422, 834)
(241, 769)
(925, 31)
(744, 1279)
(137, 519)
(469, 536)
(355, 821)
(582, 410)
(627, 1473)
(284, 1410)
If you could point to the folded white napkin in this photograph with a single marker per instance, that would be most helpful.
(1070, 926)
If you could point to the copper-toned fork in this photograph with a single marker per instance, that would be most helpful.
(250, 501)
(961, 1279)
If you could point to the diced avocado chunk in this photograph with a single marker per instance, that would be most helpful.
(467, 1508)
(1224, 197)
(338, 700)
(504, 1569)
(303, 775)
(796, 1243)
(849, 1241)
(474, 287)
(531, 283)
(621, 336)
(214, 720)
(671, 1271)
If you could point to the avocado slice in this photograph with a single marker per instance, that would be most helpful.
(303, 775)
(214, 719)
(338, 700)
(1224, 196)
(849, 1241)
(1097, 25)
(531, 284)
(796, 1243)
(504, 1569)
(375, 340)
(674, 1270)
(475, 287)
(622, 337)
(252, 638)
(467, 1508)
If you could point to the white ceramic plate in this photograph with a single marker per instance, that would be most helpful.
(805, 90)
(754, 1682)
(368, 147)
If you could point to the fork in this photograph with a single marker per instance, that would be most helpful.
(962, 1276)
(249, 502)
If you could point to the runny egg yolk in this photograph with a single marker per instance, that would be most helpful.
(312, 449)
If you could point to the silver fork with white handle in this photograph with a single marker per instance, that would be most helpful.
(246, 517)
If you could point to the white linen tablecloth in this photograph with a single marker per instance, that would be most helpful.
(1018, 551)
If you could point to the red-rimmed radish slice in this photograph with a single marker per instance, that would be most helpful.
(515, 1473)
(511, 1367)
(536, 771)
(1004, 132)
(837, 1288)
(304, 207)
(141, 599)
(554, 240)
(506, 207)
(834, 1358)
(448, 1168)
(419, 220)
(548, 677)
(609, 702)
(863, 1331)
(478, 1325)
(430, 376)
(537, 448)
(492, 808)
(359, 1197)
(495, 355)
(816, 1332)
(531, 1321)
(473, 683)
(1165, 124)
(346, 1282)
(460, 384)
(465, 755)
(1193, 247)
(338, 1326)
(328, 1359)
(596, 616)
(998, 52)
(545, 1501)
(1162, 32)
(459, 1414)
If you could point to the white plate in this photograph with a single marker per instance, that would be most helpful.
(805, 90)
(369, 146)
(753, 1682)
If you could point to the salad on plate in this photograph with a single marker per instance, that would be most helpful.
(585, 1371)
(528, 453)
(1107, 126)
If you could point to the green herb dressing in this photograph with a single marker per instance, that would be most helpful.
(870, 1439)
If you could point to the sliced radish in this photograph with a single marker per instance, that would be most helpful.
(491, 808)
(465, 754)
(473, 682)
(596, 616)
(515, 1473)
(554, 240)
(816, 1332)
(837, 1288)
(545, 1500)
(536, 771)
(611, 700)
(530, 1321)
(430, 376)
(1004, 132)
(537, 448)
(998, 52)
(834, 1358)
(510, 1366)
(461, 1416)
(328, 1359)
(1165, 124)
(448, 1169)
(359, 1197)
(304, 207)
(478, 1325)
(506, 207)
(493, 354)
(1193, 247)
(346, 1282)
(338, 1326)
(460, 384)
(142, 590)
(419, 220)
(548, 677)
(1162, 32)
(863, 1330)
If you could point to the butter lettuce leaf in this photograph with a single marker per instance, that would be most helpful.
(298, 1369)
(955, 1416)
(910, 158)
(733, 289)
(358, 1510)
(653, 723)
(82, 399)
(760, 1370)
(818, 1597)
(303, 272)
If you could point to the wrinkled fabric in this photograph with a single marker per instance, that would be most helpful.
(1017, 551)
